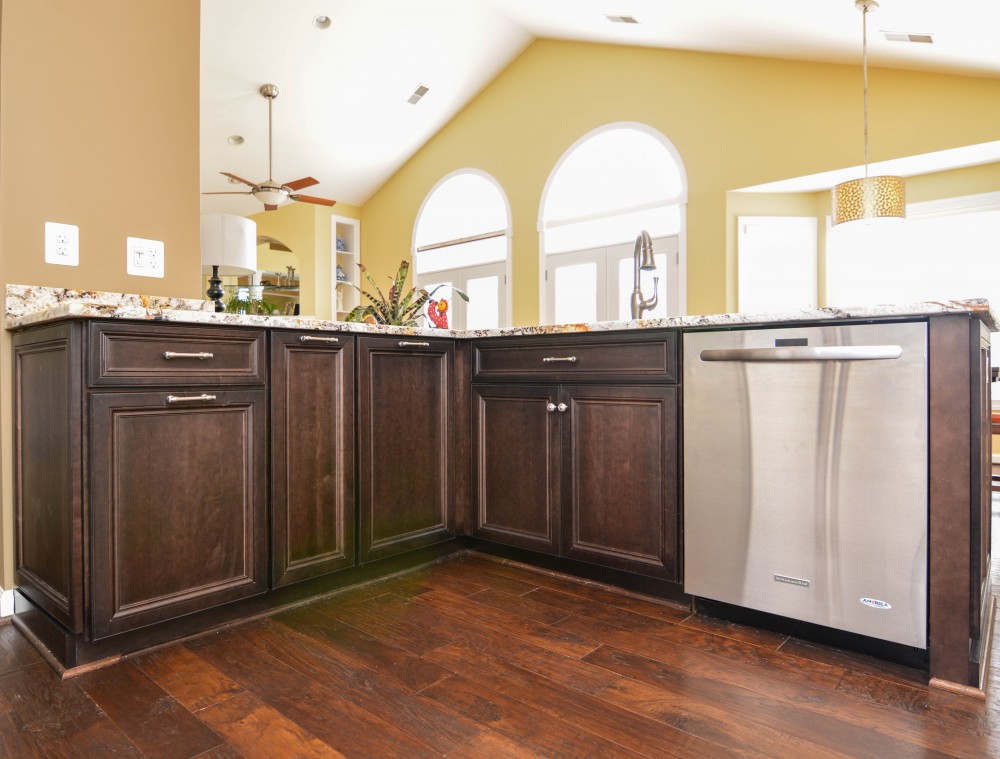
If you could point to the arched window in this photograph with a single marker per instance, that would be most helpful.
(462, 239)
(608, 187)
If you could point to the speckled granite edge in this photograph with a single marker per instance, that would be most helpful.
(27, 305)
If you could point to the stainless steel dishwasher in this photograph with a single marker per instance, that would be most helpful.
(805, 474)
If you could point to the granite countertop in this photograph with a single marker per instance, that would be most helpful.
(27, 305)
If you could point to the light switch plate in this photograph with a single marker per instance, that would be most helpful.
(62, 244)
(144, 257)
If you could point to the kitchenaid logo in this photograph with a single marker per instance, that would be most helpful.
(875, 603)
(792, 580)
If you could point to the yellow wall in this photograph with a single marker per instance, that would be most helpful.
(306, 229)
(98, 128)
(736, 122)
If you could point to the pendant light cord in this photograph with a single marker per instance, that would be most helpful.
(864, 66)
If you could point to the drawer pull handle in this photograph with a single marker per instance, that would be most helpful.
(412, 344)
(557, 359)
(190, 398)
(200, 356)
(315, 339)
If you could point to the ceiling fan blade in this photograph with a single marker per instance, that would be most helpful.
(300, 184)
(230, 192)
(238, 179)
(313, 199)
(270, 207)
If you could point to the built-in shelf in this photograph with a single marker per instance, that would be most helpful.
(346, 253)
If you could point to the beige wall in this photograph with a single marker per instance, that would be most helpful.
(98, 128)
(736, 122)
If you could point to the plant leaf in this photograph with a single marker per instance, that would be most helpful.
(397, 286)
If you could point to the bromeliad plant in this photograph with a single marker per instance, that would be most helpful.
(396, 309)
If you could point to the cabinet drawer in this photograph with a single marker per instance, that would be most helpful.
(650, 357)
(143, 354)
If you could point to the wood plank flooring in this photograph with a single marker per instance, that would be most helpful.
(476, 658)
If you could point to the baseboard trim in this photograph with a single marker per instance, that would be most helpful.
(964, 690)
(6, 603)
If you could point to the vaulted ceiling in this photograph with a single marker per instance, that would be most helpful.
(345, 69)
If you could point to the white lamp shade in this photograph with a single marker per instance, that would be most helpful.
(229, 242)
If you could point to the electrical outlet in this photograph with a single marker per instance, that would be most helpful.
(62, 244)
(144, 257)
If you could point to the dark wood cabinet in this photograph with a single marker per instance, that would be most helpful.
(48, 470)
(586, 469)
(405, 442)
(619, 477)
(516, 445)
(178, 520)
(312, 455)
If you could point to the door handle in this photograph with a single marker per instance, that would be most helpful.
(819, 353)
(168, 355)
(190, 398)
(317, 339)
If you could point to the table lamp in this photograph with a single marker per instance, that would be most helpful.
(228, 246)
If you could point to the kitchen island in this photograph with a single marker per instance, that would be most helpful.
(179, 469)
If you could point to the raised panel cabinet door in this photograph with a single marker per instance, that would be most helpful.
(48, 473)
(177, 503)
(516, 465)
(312, 455)
(405, 441)
(620, 478)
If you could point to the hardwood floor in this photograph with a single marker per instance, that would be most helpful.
(475, 658)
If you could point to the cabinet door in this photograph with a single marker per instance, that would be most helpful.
(312, 455)
(177, 503)
(620, 478)
(516, 443)
(405, 441)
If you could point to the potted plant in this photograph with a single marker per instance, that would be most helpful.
(397, 309)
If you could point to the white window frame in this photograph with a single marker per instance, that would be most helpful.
(607, 259)
(459, 277)
(676, 275)
(505, 295)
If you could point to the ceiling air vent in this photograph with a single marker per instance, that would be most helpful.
(907, 37)
(417, 94)
(622, 19)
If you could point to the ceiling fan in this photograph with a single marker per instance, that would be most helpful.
(270, 193)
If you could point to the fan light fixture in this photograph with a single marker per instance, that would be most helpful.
(882, 197)
(271, 193)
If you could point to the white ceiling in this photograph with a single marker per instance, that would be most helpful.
(342, 116)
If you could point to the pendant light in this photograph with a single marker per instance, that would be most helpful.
(868, 197)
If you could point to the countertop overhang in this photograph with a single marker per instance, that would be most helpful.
(27, 305)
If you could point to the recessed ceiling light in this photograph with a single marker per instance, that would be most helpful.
(622, 19)
(235, 139)
(417, 94)
(322, 22)
(907, 37)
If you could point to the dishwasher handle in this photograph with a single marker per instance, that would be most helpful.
(805, 353)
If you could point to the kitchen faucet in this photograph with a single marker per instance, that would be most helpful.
(644, 245)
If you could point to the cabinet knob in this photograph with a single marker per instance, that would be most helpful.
(562, 407)
(551, 407)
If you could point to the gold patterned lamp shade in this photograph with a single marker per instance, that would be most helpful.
(869, 198)
(882, 197)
